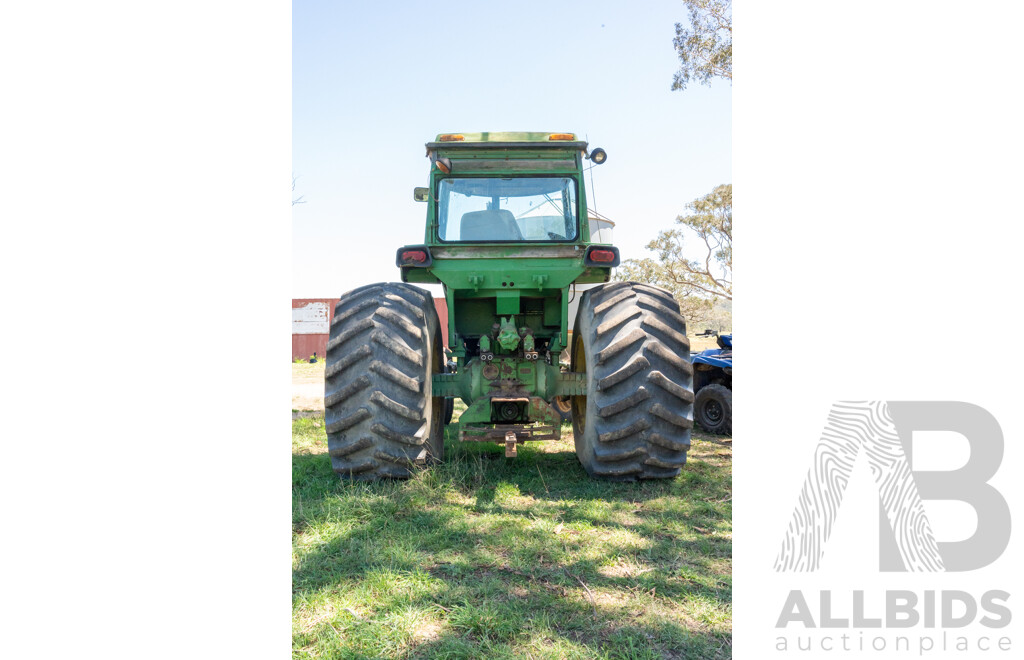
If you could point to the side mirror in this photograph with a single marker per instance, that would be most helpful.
(421, 194)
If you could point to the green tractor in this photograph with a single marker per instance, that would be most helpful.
(507, 235)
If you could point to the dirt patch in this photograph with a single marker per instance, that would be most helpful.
(427, 631)
(624, 570)
(308, 387)
(308, 396)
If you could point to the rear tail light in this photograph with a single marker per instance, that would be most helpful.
(602, 256)
(415, 256)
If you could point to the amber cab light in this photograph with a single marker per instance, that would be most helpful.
(452, 137)
(562, 136)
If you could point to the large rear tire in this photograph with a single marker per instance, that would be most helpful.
(384, 347)
(635, 423)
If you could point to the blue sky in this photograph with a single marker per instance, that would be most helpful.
(373, 82)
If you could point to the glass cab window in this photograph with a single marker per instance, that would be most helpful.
(534, 209)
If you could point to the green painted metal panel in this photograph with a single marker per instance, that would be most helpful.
(507, 302)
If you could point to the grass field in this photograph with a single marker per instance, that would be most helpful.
(307, 370)
(488, 557)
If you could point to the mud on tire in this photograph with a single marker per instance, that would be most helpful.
(382, 420)
(635, 423)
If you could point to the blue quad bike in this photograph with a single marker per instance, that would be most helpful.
(712, 383)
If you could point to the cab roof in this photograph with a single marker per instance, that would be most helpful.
(507, 139)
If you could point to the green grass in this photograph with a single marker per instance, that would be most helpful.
(488, 557)
(307, 370)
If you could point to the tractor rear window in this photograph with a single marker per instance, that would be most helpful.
(534, 209)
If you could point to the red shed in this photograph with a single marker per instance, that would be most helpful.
(311, 324)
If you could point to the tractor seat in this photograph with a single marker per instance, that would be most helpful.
(498, 225)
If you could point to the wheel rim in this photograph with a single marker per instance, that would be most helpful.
(713, 412)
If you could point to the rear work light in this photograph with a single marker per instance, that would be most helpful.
(415, 256)
(607, 257)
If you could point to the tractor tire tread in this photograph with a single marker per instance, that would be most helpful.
(620, 345)
(639, 363)
(655, 292)
(640, 404)
(354, 445)
(382, 420)
(625, 403)
(389, 433)
(358, 355)
(392, 344)
(384, 402)
(613, 300)
(615, 322)
(659, 379)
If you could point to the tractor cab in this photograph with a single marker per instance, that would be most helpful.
(508, 235)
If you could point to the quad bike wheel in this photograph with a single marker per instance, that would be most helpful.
(384, 347)
(635, 423)
(713, 409)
